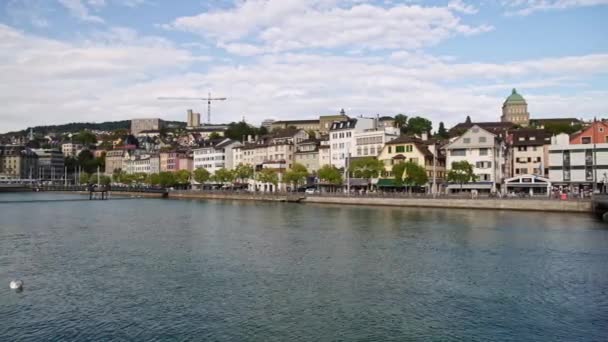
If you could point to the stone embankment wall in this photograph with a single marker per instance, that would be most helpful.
(458, 203)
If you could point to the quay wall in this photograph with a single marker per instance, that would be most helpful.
(457, 203)
(488, 204)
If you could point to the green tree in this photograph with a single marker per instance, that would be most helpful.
(415, 175)
(154, 179)
(84, 178)
(367, 167)
(238, 130)
(85, 137)
(262, 130)
(400, 121)
(268, 176)
(418, 125)
(167, 179)
(243, 172)
(182, 177)
(330, 174)
(296, 175)
(557, 128)
(104, 180)
(461, 172)
(223, 175)
(398, 171)
(215, 135)
(442, 132)
(87, 161)
(201, 175)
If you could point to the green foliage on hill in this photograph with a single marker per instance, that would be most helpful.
(74, 127)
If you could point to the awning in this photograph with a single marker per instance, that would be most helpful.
(386, 183)
(470, 186)
(528, 185)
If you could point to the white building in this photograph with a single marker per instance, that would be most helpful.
(71, 149)
(342, 138)
(573, 165)
(215, 155)
(369, 143)
(483, 150)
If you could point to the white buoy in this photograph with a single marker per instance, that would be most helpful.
(16, 284)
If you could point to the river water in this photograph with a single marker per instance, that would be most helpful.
(164, 270)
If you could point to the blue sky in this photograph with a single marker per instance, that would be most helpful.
(97, 60)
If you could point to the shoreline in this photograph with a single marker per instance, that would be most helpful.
(531, 205)
(537, 205)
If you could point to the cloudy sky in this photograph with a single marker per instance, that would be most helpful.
(98, 60)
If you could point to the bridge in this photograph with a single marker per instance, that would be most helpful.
(101, 192)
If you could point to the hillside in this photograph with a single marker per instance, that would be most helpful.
(79, 126)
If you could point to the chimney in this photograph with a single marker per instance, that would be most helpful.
(249, 138)
(425, 136)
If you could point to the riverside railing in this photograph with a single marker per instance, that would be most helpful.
(397, 195)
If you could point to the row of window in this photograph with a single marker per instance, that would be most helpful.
(525, 148)
(461, 152)
(528, 160)
(468, 140)
(371, 151)
(341, 135)
(369, 140)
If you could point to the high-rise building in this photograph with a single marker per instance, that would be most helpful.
(515, 110)
(193, 120)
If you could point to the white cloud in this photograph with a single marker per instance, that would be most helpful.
(118, 74)
(80, 11)
(287, 25)
(527, 7)
(461, 6)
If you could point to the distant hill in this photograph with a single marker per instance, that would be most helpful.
(79, 126)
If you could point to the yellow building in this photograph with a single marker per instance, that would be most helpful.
(422, 152)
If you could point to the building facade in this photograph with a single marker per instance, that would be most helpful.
(529, 152)
(483, 150)
(71, 149)
(424, 153)
(18, 161)
(596, 133)
(307, 154)
(138, 125)
(216, 154)
(515, 110)
(193, 119)
(114, 161)
(577, 167)
(50, 164)
(342, 138)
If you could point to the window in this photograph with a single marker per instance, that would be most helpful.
(390, 150)
(466, 140)
(409, 148)
(532, 138)
(521, 139)
(483, 151)
(522, 148)
(586, 140)
(400, 149)
(482, 139)
(458, 152)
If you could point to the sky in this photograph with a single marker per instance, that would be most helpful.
(102, 60)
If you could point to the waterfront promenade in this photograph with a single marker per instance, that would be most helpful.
(405, 200)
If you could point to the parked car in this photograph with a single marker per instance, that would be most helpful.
(310, 191)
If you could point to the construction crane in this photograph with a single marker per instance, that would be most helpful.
(208, 99)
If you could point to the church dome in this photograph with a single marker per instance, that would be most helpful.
(515, 98)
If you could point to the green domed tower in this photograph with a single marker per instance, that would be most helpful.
(515, 110)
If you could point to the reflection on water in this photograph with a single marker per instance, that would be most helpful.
(154, 269)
